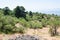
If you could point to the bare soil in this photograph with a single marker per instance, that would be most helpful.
(44, 33)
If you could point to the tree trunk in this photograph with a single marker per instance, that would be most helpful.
(55, 30)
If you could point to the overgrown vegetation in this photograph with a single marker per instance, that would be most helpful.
(26, 19)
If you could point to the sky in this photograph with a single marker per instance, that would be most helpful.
(33, 5)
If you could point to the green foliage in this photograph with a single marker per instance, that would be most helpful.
(6, 11)
(20, 12)
(44, 22)
(1, 25)
(9, 18)
(20, 30)
(54, 23)
(35, 24)
(8, 28)
(30, 14)
(7, 23)
(28, 18)
(24, 22)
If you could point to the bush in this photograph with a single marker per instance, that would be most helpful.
(10, 20)
(8, 29)
(54, 26)
(7, 24)
(19, 30)
(44, 22)
(35, 24)
(24, 22)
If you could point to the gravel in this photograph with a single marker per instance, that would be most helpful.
(25, 37)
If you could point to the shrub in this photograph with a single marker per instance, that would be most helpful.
(44, 22)
(35, 24)
(19, 30)
(7, 24)
(24, 22)
(8, 29)
(54, 26)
